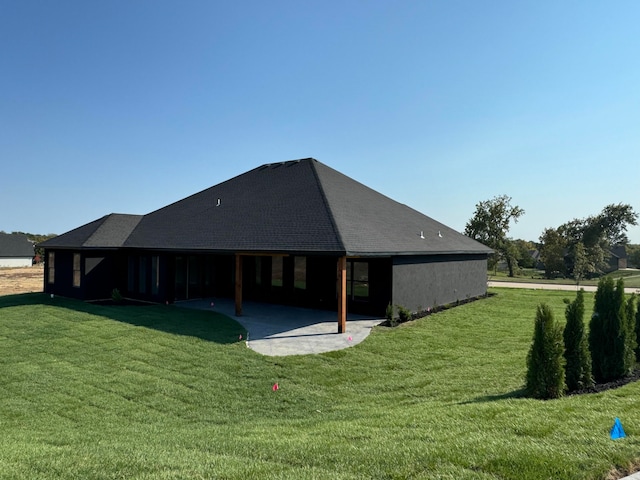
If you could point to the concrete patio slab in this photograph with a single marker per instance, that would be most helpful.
(280, 330)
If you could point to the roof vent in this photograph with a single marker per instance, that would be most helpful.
(439, 234)
(422, 234)
(218, 204)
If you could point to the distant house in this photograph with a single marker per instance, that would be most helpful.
(16, 250)
(537, 259)
(295, 232)
(618, 258)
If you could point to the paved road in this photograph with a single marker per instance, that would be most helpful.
(551, 286)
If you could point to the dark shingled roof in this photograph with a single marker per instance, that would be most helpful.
(277, 207)
(619, 251)
(371, 223)
(110, 231)
(300, 206)
(15, 245)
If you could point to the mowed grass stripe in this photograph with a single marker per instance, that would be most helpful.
(160, 392)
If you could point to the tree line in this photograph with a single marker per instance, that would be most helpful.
(579, 248)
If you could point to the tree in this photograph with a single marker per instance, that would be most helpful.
(633, 255)
(581, 264)
(588, 233)
(614, 220)
(523, 249)
(637, 329)
(545, 362)
(490, 225)
(552, 250)
(597, 233)
(630, 333)
(609, 330)
(576, 350)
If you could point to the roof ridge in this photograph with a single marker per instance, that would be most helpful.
(102, 221)
(103, 224)
(325, 201)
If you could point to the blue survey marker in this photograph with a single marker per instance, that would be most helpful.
(617, 431)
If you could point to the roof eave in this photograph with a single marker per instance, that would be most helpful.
(417, 253)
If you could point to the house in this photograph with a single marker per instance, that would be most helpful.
(16, 250)
(617, 258)
(296, 232)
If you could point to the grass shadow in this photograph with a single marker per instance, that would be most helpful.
(519, 393)
(205, 325)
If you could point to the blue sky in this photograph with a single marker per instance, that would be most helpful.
(127, 106)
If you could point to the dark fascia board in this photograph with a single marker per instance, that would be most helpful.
(268, 253)
(417, 254)
(82, 249)
(252, 253)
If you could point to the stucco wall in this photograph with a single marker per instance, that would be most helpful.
(428, 281)
(15, 262)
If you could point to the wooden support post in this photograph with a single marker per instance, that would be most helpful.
(342, 294)
(238, 285)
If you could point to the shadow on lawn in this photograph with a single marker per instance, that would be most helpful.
(209, 326)
(520, 393)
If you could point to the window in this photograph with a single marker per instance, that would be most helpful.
(131, 274)
(142, 274)
(300, 273)
(155, 274)
(360, 281)
(51, 267)
(276, 271)
(258, 266)
(76, 270)
(193, 274)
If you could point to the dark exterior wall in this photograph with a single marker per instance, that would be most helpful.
(427, 281)
(98, 279)
(178, 276)
(380, 286)
(99, 273)
(321, 282)
(63, 277)
(187, 276)
(616, 263)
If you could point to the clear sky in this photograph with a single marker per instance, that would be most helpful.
(127, 106)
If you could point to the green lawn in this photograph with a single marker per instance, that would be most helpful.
(157, 392)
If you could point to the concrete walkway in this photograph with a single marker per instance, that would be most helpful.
(279, 330)
(635, 476)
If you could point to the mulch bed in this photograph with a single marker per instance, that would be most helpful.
(121, 303)
(601, 387)
(439, 308)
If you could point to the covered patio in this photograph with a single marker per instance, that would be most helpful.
(280, 330)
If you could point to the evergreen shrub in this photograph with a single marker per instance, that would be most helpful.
(576, 349)
(637, 329)
(612, 351)
(545, 362)
(404, 314)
